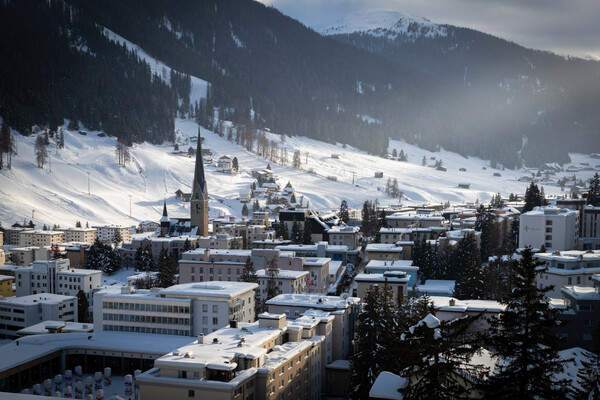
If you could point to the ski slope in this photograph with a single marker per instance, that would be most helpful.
(60, 196)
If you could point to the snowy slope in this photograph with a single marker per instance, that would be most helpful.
(155, 173)
(385, 23)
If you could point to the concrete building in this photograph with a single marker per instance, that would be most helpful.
(185, 310)
(269, 359)
(6, 286)
(551, 227)
(286, 281)
(19, 312)
(108, 233)
(568, 268)
(40, 238)
(1, 239)
(590, 228)
(80, 235)
(450, 308)
(56, 277)
(11, 235)
(380, 267)
(345, 311)
(583, 314)
(348, 236)
(2, 257)
(220, 241)
(397, 282)
(22, 255)
(387, 252)
(415, 220)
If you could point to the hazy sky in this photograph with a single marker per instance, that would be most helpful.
(568, 27)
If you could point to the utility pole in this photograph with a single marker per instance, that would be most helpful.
(353, 175)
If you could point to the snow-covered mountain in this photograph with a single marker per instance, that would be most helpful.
(155, 173)
(390, 24)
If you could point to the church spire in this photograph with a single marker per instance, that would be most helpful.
(165, 223)
(199, 200)
(165, 208)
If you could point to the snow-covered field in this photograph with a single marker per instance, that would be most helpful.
(61, 196)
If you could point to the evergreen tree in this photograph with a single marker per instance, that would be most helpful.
(255, 206)
(78, 224)
(187, 246)
(249, 275)
(245, 210)
(296, 237)
(532, 197)
(424, 161)
(593, 197)
(497, 201)
(497, 277)
(439, 355)
(145, 282)
(143, 259)
(282, 231)
(296, 163)
(307, 233)
(102, 257)
(117, 239)
(589, 374)
(524, 337)
(235, 164)
(167, 268)
(293, 198)
(344, 216)
(41, 151)
(471, 284)
(364, 366)
(83, 306)
(272, 289)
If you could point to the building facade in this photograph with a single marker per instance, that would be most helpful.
(551, 227)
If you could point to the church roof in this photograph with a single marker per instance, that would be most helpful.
(199, 185)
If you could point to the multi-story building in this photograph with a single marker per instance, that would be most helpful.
(186, 309)
(345, 235)
(11, 235)
(22, 255)
(6, 285)
(56, 276)
(379, 267)
(286, 281)
(397, 282)
(318, 269)
(108, 233)
(551, 227)
(220, 241)
(1, 239)
(269, 359)
(344, 310)
(2, 257)
(40, 238)
(583, 314)
(568, 268)
(387, 252)
(415, 220)
(590, 228)
(19, 312)
(79, 235)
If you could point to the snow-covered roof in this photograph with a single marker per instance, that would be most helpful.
(334, 267)
(316, 261)
(391, 265)
(436, 286)
(382, 247)
(581, 292)
(340, 364)
(550, 211)
(382, 278)
(6, 277)
(80, 272)
(387, 386)
(283, 274)
(570, 256)
(42, 298)
(313, 301)
(67, 327)
(209, 289)
(444, 304)
(344, 229)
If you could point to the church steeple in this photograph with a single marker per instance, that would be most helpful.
(199, 201)
(165, 223)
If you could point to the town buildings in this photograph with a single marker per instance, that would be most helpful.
(552, 227)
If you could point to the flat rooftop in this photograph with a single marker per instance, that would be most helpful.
(42, 298)
(283, 274)
(443, 304)
(209, 289)
(316, 301)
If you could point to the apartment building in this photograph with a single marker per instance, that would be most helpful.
(286, 281)
(551, 227)
(2, 257)
(397, 282)
(268, 359)
(19, 312)
(185, 310)
(80, 235)
(344, 235)
(12, 235)
(56, 276)
(108, 233)
(344, 310)
(6, 285)
(415, 220)
(590, 228)
(40, 238)
(568, 268)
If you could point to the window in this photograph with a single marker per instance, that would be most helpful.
(215, 321)
(587, 337)
(191, 393)
(548, 230)
(548, 237)
(584, 307)
(182, 374)
(578, 280)
(215, 308)
(204, 307)
(587, 322)
(549, 222)
(569, 281)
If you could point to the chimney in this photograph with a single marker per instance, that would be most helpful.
(201, 339)
(233, 323)
(452, 302)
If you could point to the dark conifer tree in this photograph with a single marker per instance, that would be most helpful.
(83, 305)
(296, 233)
(245, 210)
(143, 259)
(344, 216)
(593, 197)
(167, 268)
(524, 336)
(307, 233)
(589, 374)
(471, 284)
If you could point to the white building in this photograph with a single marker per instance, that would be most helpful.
(80, 235)
(344, 235)
(186, 310)
(286, 281)
(20, 312)
(552, 227)
(568, 268)
(107, 233)
(56, 277)
(40, 238)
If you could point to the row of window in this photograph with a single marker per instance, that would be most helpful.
(145, 319)
(142, 329)
(110, 305)
(211, 270)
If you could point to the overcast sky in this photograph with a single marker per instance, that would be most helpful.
(568, 27)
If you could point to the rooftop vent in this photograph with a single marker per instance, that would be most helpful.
(452, 302)
(201, 339)
(176, 353)
(189, 354)
(216, 341)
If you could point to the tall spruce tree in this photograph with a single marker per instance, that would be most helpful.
(344, 217)
(167, 268)
(296, 237)
(589, 374)
(532, 197)
(471, 284)
(249, 275)
(439, 356)
(83, 305)
(525, 340)
(144, 260)
(102, 257)
(593, 197)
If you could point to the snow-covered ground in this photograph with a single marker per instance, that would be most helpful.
(61, 196)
